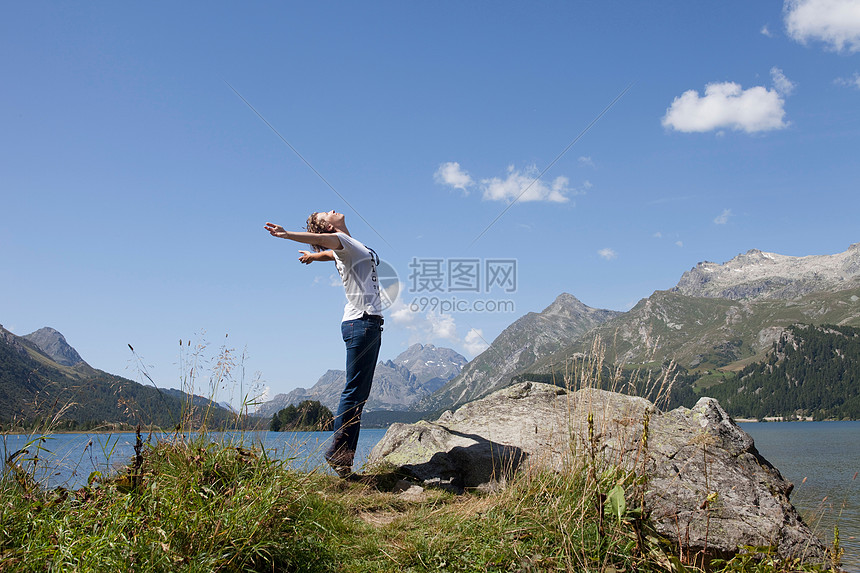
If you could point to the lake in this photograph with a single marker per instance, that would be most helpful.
(827, 454)
(67, 460)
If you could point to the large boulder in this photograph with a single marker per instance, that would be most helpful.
(707, 486)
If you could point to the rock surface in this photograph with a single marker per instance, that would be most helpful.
(54, 345)
(756, 275)
(522, 344)
(707, 489)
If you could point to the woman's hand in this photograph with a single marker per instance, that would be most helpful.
(276, 230)
(321, 256)
(327, 240)
(307, 257)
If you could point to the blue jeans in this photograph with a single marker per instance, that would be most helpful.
(362, 337)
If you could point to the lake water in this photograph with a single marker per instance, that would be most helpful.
(67, 460)
(827, 454)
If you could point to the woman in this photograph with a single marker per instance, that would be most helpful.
(362, 321)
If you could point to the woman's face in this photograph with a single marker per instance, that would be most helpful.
(332, 218)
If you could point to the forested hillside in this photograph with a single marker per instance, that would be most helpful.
(812, 371)
(35, 390)
(309, 416)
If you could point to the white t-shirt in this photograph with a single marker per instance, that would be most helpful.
(357, 267)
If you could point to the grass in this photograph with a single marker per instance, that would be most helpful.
(711, 378)
(184, 505)
(194, 503)
(191, 504)
(197, 505)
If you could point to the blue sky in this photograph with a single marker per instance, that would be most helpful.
(135, 183)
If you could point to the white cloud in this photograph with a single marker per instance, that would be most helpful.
(442, 326)
(726, 105)
(333, 280)
(723, 217)
(400, 312)
(432, 326)
(424, 327)
(765, 31)
(524, 186)
(586, 160)
(853, 82)
(474, 342)
(451, 174)
(607, 253)
(518, 185)
(403, 316)
(679, 243)
(658, 235)
(834, 22)
(782, 84)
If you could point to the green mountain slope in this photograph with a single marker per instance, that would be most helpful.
(811, 371)
(34, 388)
(707, 333)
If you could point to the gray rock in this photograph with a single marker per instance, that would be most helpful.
(54, 345)
(408, 491)
(759, 275)
(707, 486)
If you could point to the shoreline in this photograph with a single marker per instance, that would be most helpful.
(767, 420)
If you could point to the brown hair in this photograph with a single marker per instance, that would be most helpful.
(315, 226)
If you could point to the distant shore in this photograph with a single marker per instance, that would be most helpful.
(771, 419)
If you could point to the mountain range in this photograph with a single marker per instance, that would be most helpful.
(718, 319)
(719, 316)
(415, 373)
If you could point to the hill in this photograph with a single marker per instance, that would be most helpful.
(522, 344)
(723, 316)
(810, 372)
(35, 388)
(55, 347)
(707, 333)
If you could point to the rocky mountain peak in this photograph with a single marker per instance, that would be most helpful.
(54, 344)
(758, 274)
(427, 362)
(415, 373)
(565, 304)
(529, 339)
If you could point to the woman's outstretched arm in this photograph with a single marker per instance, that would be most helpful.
(309, 257)
(327, 240)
